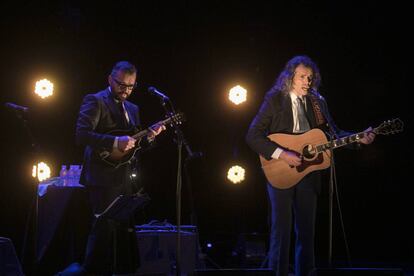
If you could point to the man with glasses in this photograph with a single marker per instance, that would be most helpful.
(112, 247)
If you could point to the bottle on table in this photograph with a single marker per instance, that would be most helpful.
(64, 175)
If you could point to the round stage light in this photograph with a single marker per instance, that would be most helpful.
(41, 171)
(44, 88)
(237, 95)
(236, 174)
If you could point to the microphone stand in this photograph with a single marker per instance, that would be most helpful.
(22, 115)
(333, 186)
(332, 178)
(180, 140)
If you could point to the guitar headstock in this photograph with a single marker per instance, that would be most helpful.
(176, 118)
(390, 127)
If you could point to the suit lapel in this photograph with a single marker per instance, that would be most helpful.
(287, 106)
(113, 108)
(130, 114)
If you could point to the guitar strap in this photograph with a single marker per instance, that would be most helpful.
(316, 107)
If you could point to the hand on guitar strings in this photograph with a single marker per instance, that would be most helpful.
(369, 137)
(126, 143)
(291, 158)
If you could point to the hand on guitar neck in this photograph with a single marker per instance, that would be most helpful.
(126, 143)
(368, 138)
(155, 130)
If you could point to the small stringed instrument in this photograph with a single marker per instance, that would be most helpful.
(116, 158)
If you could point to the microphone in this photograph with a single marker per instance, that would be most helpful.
(315, 93)
(17, 108)
(157, 93)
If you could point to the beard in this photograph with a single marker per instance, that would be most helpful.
(122, 95)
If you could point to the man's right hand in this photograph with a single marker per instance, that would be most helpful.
(126, 143)
(291, 158)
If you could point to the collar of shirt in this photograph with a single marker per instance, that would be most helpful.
(293, 98)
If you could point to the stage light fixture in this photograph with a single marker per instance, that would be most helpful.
(44, 88)
(41, 171)
(236, 174)
(237, 95)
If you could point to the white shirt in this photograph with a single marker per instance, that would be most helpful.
(293, 98)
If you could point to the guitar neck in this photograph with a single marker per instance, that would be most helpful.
(146, 131)
(140, 134)
(333, 144)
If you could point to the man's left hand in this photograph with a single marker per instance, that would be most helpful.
(368, 138)
(155, 130)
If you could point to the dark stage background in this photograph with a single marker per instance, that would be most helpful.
(195, 51)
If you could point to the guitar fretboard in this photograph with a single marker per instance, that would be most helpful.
(140, 134)
(387, 127)
(340, 142)
(145, 132)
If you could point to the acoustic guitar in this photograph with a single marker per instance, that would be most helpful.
(315, 150)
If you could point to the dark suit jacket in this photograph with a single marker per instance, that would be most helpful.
(98, 115)
(275, 116)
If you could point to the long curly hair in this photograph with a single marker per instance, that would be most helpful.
(283, 82)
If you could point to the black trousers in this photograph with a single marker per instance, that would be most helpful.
(112, 245)
(296, 204)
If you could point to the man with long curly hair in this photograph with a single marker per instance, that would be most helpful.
(293, 106)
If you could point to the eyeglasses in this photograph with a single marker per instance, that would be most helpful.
(123, 85)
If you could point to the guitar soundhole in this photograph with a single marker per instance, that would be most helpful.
(308, 152)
